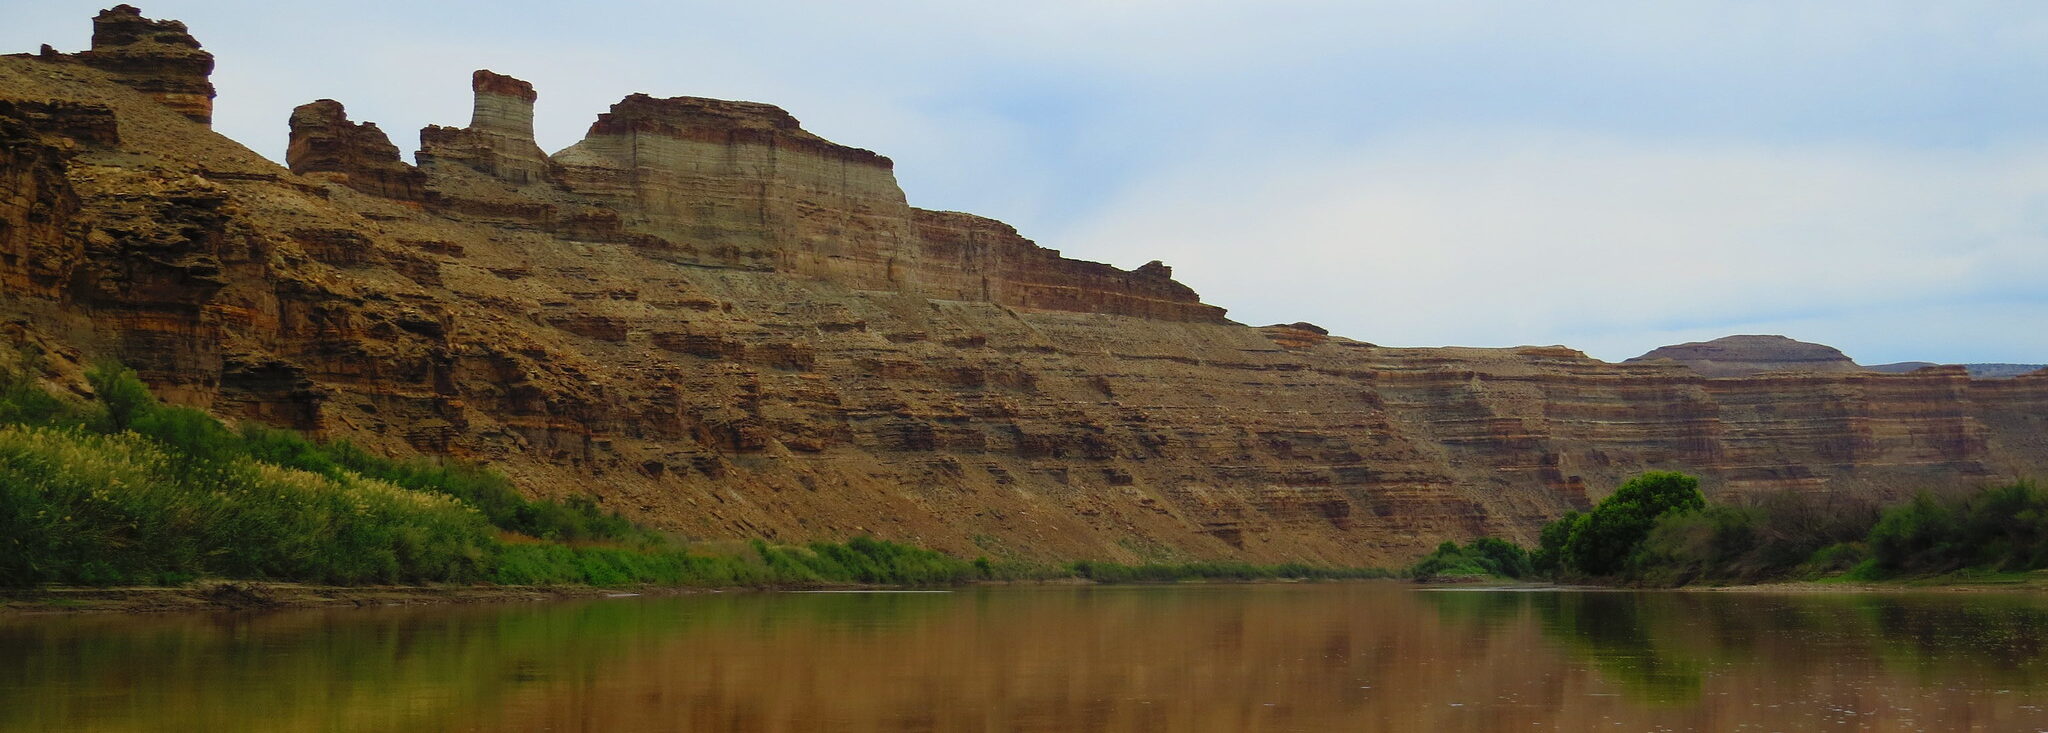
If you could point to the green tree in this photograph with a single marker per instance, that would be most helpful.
(1606, 540)
(1548, 558)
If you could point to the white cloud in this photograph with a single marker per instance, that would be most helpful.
(1491, 237)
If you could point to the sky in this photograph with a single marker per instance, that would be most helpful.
(1611, 176)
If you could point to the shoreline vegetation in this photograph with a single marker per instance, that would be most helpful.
(122, 502)
(1659, 531)
(124, 491)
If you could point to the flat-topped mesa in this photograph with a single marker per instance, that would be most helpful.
(325, 145)
(499, 139)
(725, 121)
(157, 57)
(718, 175)
(1740, 356)
(743, 177)
(968, 257)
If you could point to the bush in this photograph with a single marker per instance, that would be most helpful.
(1605, 541)
(1998, 528)
(1485, 557)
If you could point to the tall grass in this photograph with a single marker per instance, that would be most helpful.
(104, 509)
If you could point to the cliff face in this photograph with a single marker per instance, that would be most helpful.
(722, 324)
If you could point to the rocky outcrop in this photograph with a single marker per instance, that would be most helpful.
(746, 181)
(1736, 356)
(157, 57)
(499, 139)
(38, 248)
(743, 331)
(326, 146)
(968, 257)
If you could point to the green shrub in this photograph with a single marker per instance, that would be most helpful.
(121, 393)
(1607, 539)
(1485, 557)
(1998, 528)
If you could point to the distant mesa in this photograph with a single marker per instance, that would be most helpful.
(1741, 356)
(1303, 326)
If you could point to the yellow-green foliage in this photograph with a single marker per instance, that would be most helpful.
(84, 508)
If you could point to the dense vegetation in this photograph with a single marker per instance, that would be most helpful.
(1658, 529)
(123, 489)
(1486, 557)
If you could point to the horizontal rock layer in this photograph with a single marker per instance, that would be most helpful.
(723, 326)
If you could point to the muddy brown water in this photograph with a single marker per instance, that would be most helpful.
(1314, 657)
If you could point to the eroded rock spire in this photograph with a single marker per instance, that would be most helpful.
(499, 139)
(154, 56)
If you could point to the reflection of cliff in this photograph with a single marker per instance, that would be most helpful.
(1218, 658)
(726, 325)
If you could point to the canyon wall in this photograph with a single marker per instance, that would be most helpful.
(724, 325)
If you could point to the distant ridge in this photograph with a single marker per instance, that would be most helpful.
(1740, 356)
(1979, 371)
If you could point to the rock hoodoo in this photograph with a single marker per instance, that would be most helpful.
(325, 145)
(499, 139)
(727, 326)
(157, 57)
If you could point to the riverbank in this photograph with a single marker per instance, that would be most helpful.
(243, 596)
(264, 596)
(1969, 581)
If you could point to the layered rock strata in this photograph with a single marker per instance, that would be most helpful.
(499, 139)
(325, 145)
(742, 331)
(157, 57)
(745, 179)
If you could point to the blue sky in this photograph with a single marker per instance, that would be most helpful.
(1610, 176)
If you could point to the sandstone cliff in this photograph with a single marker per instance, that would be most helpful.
(720, 323)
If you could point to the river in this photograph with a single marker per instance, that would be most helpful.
(1309, 657)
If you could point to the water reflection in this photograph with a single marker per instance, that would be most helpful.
(1223, 658)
